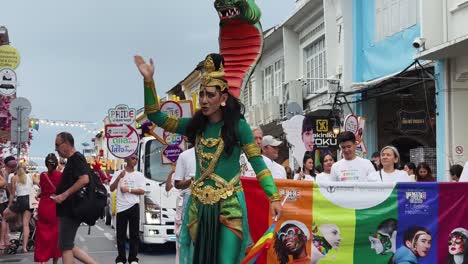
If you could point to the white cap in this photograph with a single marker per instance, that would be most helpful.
(270, 141)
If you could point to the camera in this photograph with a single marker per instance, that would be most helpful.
(419, 43)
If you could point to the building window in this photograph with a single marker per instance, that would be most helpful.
(247, 95)
(393, 16)
(315, 65)
(273, 78)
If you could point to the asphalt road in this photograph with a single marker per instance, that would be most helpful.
(101, 245)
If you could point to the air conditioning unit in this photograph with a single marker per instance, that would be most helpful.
(271, 111)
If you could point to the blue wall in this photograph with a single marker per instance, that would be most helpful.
(372, 60)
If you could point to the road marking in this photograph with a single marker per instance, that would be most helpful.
(81, 238)
(100, 228)
(109, 236)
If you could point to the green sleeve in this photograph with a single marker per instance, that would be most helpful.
(153, 111)
(253, 153)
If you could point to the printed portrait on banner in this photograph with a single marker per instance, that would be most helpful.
(310, 135)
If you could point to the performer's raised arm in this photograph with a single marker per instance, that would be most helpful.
(152, 104)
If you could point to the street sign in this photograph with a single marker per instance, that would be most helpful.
(20, 106)
(7, 82)
(24, 130)
(122, 114)
(9, 57)
(122, 140)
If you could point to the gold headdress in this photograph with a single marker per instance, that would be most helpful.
(213, 72)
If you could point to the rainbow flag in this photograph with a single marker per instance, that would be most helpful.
(263, 243)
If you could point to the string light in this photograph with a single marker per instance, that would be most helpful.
(85, 125)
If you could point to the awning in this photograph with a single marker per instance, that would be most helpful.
(393, 82)
(450, 49)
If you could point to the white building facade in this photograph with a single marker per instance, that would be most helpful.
(444, 39)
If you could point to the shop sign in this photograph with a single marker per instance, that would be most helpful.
(351, 123)
(9, 57)
(412, 121)
(122, 140)
(7, 82)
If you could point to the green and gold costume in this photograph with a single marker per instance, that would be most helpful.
(216, 212)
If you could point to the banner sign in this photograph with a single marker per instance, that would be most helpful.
(312, 134)
(337, 222)
(122, 114)
(122, 140)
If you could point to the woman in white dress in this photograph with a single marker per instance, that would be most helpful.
(389, 159)
(327, 161)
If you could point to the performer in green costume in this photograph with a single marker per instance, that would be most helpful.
(215, 227)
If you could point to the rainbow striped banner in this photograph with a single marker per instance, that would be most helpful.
(362, 222)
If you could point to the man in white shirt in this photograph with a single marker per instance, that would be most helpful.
(246, 168)
(270, 150)
(183, 176)
(130, 184)
(351, 168)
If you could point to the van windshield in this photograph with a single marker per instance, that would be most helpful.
(154, 169)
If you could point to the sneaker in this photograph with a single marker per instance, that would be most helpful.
(134, 262)
(119, 263)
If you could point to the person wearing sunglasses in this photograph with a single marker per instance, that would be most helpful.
(46, 239)
(457, 243)
(291, 239)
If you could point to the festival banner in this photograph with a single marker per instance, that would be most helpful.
(339, 222)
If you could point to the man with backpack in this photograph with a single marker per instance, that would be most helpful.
(130, 184)
(75, 176)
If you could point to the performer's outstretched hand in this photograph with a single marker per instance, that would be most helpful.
(147, 70)
(276, 210)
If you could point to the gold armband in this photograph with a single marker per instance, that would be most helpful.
(251, 150)
(263, 174)
(151, 108)
(275, 197)
(171, 124)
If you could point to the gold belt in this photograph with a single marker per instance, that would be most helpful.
(212, 194)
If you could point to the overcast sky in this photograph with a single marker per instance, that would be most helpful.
(77, 56)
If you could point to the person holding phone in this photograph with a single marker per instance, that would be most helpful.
(130, 184)
(74, 178)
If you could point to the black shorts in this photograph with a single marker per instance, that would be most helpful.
(67, 232)
(20, 205)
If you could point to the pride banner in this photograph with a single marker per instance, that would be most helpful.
(363, 222)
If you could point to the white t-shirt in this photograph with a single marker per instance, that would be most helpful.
(134, 180)
(246, 168)
(307, 177)
(464, 175)
(323, 177)
(277, 171)
(185, 168)
(395, 176)
(356, 170)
